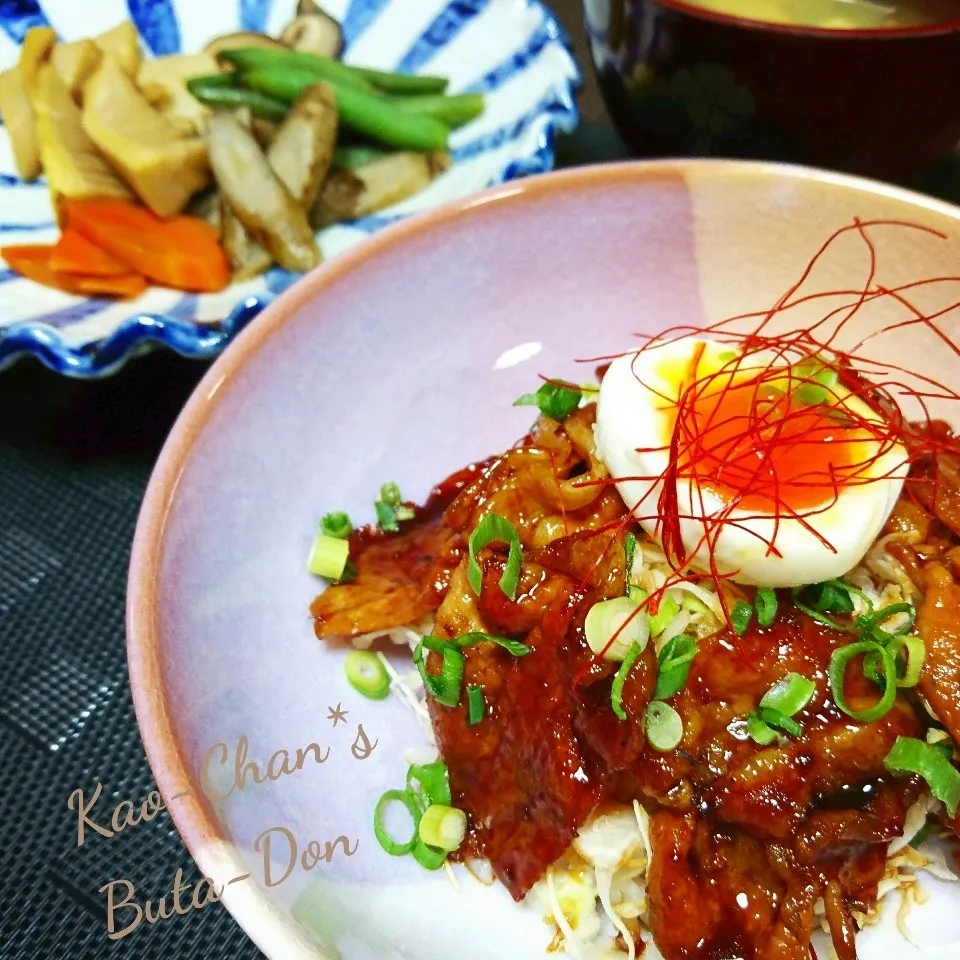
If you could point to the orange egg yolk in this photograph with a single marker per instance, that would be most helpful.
(759, 447)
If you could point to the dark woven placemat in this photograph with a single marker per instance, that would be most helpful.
(74, 460)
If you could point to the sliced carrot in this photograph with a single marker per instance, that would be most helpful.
(126, 285)
(33, 262)
(74, 253)
(180, 252)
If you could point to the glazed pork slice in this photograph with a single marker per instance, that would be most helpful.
(531, 773)
(718, 892)
(521, 775)
(938, 623)
(937, 486)
(756, 835)
(400, 577)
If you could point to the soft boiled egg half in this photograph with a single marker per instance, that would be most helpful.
(767, 469)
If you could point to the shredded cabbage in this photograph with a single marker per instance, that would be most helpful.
(600, 887)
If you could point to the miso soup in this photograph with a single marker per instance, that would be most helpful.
(837, 14)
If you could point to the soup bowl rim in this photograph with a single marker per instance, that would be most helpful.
(690, 9)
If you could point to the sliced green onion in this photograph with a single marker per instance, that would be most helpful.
(725, 356)
(673, 665)
(443, 827)
(390, 494)
(839, 416)
(777, 707)
(812, 394)
(779, 721)
(612, 627)
(909, 755)
(391, 510)
(386, 517)
(663, 726)
(666, 611)
(554, 400)
(789, 695)
(445, 687)
(740, 617)
(831, 596)
(677, 652)
(758, 731)
(428, 787)
(694, 605)
(819, 379)
(495, 528)
(921, 834)
(394, 847)
(511, 646)
(824, 600)
(871, 624)
(766, 604)
(914, 653)
(943, 748)
(888, 679)
(771, 392)
(367, 674)
(834, 596)
(616, 691)
(328, 557)
(433, 780)
(630, 550)
(430, 858)
(853, 591)
(476, 707)
(336, 525)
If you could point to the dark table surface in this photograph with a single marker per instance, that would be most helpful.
(74, 460)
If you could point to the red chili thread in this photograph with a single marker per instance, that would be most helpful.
(763, 430)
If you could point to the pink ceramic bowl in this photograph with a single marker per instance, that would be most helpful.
(399, 361)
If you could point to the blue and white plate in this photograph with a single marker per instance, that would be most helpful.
(512, 50)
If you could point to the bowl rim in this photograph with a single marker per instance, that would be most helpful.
(272, 931)
(688, 8)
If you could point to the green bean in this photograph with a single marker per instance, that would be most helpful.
(403, 82)
(349, 158)
(454, 111)
(283, 84)
(362, 78)
(218, 96)
(295, 62)
(224, 79)
(374, 116)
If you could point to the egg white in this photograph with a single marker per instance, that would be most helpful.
(630, 418)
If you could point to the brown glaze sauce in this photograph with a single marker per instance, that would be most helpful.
(748, 841)
(747, 838)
